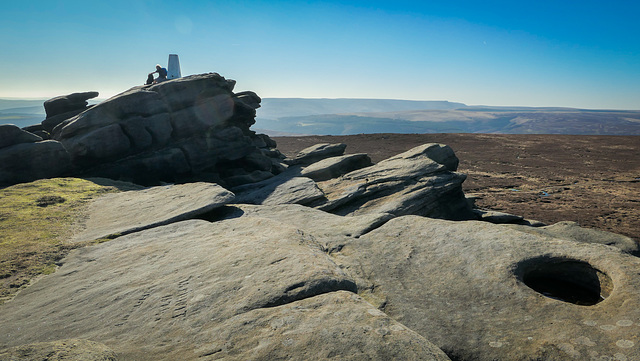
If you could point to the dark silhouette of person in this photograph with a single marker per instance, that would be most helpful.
(162, 75)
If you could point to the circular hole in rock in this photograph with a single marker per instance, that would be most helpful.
(565, 280)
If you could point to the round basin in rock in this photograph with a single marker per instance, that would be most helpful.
(481, 291)
(565, 280)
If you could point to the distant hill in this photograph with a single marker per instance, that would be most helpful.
(275, 108)
(21, 103)
(356, 116)
(299, 116)
(21, 112)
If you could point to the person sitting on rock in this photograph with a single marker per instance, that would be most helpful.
(162, 74)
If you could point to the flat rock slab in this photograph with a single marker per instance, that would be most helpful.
(133, 211)
(329, 229)
(245, 288)
(295, 190)
(470, 287)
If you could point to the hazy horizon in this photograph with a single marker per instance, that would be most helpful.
(499, 53)
(100, 99)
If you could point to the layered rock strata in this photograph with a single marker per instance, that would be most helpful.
(187, 129)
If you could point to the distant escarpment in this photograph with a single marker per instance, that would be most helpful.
(192, 128)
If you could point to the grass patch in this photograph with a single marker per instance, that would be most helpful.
(36, 221)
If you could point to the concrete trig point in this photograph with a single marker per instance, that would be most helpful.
(173, 69)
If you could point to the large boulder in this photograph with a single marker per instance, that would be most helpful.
(421, 181)
(318, 152)
(26, 162)
(297, 190)
(487, 292)
(11, 134)
(334, 167)
(68, 103)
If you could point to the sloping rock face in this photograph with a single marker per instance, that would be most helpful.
(200, 290)
(486, 292)
(122, 213)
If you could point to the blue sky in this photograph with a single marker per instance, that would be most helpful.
(582, 54)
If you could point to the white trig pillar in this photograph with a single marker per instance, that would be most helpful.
(173, 71)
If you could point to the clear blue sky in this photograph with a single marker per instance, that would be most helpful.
(534, 53)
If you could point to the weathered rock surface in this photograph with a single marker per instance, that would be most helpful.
(572, 231)
(421, 181)
(330, 230)
(183, 130)
(68, 103)
(410, 183)
(10, 134)
(334, 167)
(318, 152)
(195, 289)
(132, 211)
(197, 119)
(64, 350)
(470, 287)
(26, 162)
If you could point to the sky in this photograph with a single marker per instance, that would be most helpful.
(582, 54)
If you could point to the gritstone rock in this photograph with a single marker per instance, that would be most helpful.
(10, 134)
(68, 103)
(335, 166)
(133, 211)
(26, 162)
(196, 289)
(572, 231)
(198, 116)
(63, 350)
(421, 181)
(487, 292)
(318, 152)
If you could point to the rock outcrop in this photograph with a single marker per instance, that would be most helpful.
(200, 290)
(487, 292)
(61, 108)
(187, 129)
(289, 281)
(25, 157)
(421, 181)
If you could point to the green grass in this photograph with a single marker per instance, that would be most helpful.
(36, 222)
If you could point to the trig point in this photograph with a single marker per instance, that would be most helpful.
(173, 69)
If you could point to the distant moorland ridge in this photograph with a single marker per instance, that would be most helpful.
(292, 116)
(344, 116)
